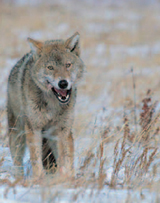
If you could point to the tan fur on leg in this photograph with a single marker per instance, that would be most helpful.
(34, 143)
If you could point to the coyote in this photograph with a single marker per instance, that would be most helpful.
(42, 89)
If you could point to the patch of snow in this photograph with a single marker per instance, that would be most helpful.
(133, 16)
(101, 49)
(97, 28)
(99, 62)
(60, 195)
(22, 34)
(63, 27)
(2, 102)
(36, 34)
(155, 49)
(141, 50)
(110, 14)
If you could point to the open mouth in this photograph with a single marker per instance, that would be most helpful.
(62, 95)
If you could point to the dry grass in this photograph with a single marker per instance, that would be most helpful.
(114, 39)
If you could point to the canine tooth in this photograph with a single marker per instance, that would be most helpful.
(63, 100)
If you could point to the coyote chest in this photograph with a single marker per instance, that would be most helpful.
(48, 111)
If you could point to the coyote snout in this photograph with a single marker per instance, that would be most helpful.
(42, 90)
(64, 92)
(62, 89)
(63, 84)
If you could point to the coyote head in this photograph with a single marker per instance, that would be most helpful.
(58, 66)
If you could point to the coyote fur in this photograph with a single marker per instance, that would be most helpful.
(42, 90)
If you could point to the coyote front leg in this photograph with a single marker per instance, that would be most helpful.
(66, 153)
(34, 143)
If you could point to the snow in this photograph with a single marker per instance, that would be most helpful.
(60, 195)
(140, 50)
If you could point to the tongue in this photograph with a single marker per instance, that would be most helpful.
(61, 92)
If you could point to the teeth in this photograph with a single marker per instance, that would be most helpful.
(61, 98)
(66, 98)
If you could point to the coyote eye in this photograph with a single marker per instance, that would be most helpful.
(50, 67)
(68, 65)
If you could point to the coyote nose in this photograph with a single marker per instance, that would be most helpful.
(63, 84)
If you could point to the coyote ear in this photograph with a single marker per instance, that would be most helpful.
(35, 45)
(73, 44)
